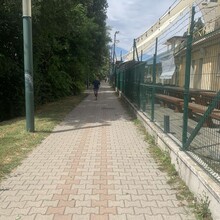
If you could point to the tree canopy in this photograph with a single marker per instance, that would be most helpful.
(70, 45)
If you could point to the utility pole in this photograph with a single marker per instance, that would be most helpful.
(113, 57)
(28, 65)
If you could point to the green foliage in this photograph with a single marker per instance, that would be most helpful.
(70, 41)
(11, 83)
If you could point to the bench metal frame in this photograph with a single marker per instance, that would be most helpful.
(202, 120)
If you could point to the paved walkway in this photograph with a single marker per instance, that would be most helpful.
(94, 166)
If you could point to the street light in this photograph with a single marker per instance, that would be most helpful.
(113, 57)
(28, 65)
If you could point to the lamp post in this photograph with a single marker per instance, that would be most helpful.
(113, 56)
(28, 65)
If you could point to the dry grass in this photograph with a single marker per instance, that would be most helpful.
(16, 143)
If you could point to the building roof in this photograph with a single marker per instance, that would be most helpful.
(175, 39)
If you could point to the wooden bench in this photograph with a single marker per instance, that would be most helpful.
(166, 100)
(200, 110)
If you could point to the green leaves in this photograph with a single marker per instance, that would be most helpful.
(69, 46)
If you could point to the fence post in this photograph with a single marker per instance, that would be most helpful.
(166, 124)
(140, 86)
(143, 89)
(154, 81)
(117, 77)
(120, 80)
(123, 81)
(134, 49)
(187, 80)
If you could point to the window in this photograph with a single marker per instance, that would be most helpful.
(193, 67)
(197, 80)
(218, 65)
(208, 1)
(200, 66)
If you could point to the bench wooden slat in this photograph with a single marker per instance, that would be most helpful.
(171, 100)
(196, 108)
(201, 109)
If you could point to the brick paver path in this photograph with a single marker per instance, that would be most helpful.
(95, 165)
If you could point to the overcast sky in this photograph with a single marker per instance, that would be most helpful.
(133, 17)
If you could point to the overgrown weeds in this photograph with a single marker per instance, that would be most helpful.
(199, 205)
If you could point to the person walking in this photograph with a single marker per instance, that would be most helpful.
(96, 84)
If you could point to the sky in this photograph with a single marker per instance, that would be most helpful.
(133, 17)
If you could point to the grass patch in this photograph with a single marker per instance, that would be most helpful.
(200, 206)
(16, 143)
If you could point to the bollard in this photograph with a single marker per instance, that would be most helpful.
(166, 123)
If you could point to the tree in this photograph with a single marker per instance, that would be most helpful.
(11, 60)
(69, 46)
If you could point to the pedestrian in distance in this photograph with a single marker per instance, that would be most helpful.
(96, 85)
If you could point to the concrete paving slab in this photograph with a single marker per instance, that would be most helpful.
(94, 165)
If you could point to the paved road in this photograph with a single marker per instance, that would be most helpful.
(94, 166)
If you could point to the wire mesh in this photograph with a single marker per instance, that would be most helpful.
(165, 97)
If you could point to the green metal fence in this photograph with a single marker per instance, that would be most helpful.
(184, 100)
